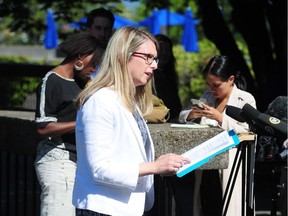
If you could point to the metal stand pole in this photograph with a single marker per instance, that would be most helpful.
(245, 148)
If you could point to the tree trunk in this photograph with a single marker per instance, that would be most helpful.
(249, 18)
(216, 30)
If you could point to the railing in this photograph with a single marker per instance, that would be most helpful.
(19, 188)
(12, 73)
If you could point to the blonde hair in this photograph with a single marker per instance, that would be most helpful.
(114, 73)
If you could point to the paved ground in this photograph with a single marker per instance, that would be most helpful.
(32, 52)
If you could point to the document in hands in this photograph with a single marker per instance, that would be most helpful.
(202, 153)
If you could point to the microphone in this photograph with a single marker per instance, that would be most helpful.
(235, 113)
(267, 123)
(258, 121)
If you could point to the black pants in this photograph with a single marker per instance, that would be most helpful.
(85, 212)
(183, 189)
(211, 193)
(210, 189)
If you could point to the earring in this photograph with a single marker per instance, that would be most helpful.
(78, 68)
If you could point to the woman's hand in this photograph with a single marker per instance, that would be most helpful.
(211, 113)
(208, 112)
(167, 164)
(196, 112)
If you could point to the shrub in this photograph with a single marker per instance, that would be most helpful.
(15, 89)
(189, 67)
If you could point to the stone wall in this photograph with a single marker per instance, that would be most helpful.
(17, 135)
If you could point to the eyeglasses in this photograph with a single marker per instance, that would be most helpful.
(149, 57)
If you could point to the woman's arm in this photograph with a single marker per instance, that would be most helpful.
(57, 128)
(183, 116)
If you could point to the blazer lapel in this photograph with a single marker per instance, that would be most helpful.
(234, 97)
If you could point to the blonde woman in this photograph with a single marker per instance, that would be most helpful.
(115, 151)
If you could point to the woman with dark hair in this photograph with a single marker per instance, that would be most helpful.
(225, 87)
(55, 120)
(165, 77)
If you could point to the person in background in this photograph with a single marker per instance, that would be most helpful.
(166, 79)
(226, 87)
(165, 86)
(55, 117)
(115, 165)
(100, 24)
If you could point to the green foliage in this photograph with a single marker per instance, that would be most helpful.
(14, 90)
(244, 49)
(13, 59)
(189, 68)
(190, 65)
(24, 22)
(19, 88)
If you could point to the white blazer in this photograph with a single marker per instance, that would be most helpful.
(109, 151)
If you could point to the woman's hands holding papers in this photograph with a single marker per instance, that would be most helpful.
(167, 164)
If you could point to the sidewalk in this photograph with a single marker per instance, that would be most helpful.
(32, 52)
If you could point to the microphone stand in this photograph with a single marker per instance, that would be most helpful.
(246, 155)
(274, 162)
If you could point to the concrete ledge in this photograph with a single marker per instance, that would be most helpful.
(17, 132)
(17, 135)
(180, 140)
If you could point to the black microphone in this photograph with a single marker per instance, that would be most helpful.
(269, 124)
(259, 122)
(235, 113)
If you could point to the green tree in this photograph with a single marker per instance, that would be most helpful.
(28, 16)
(189, 66)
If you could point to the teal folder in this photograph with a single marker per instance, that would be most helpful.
(203, 152)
